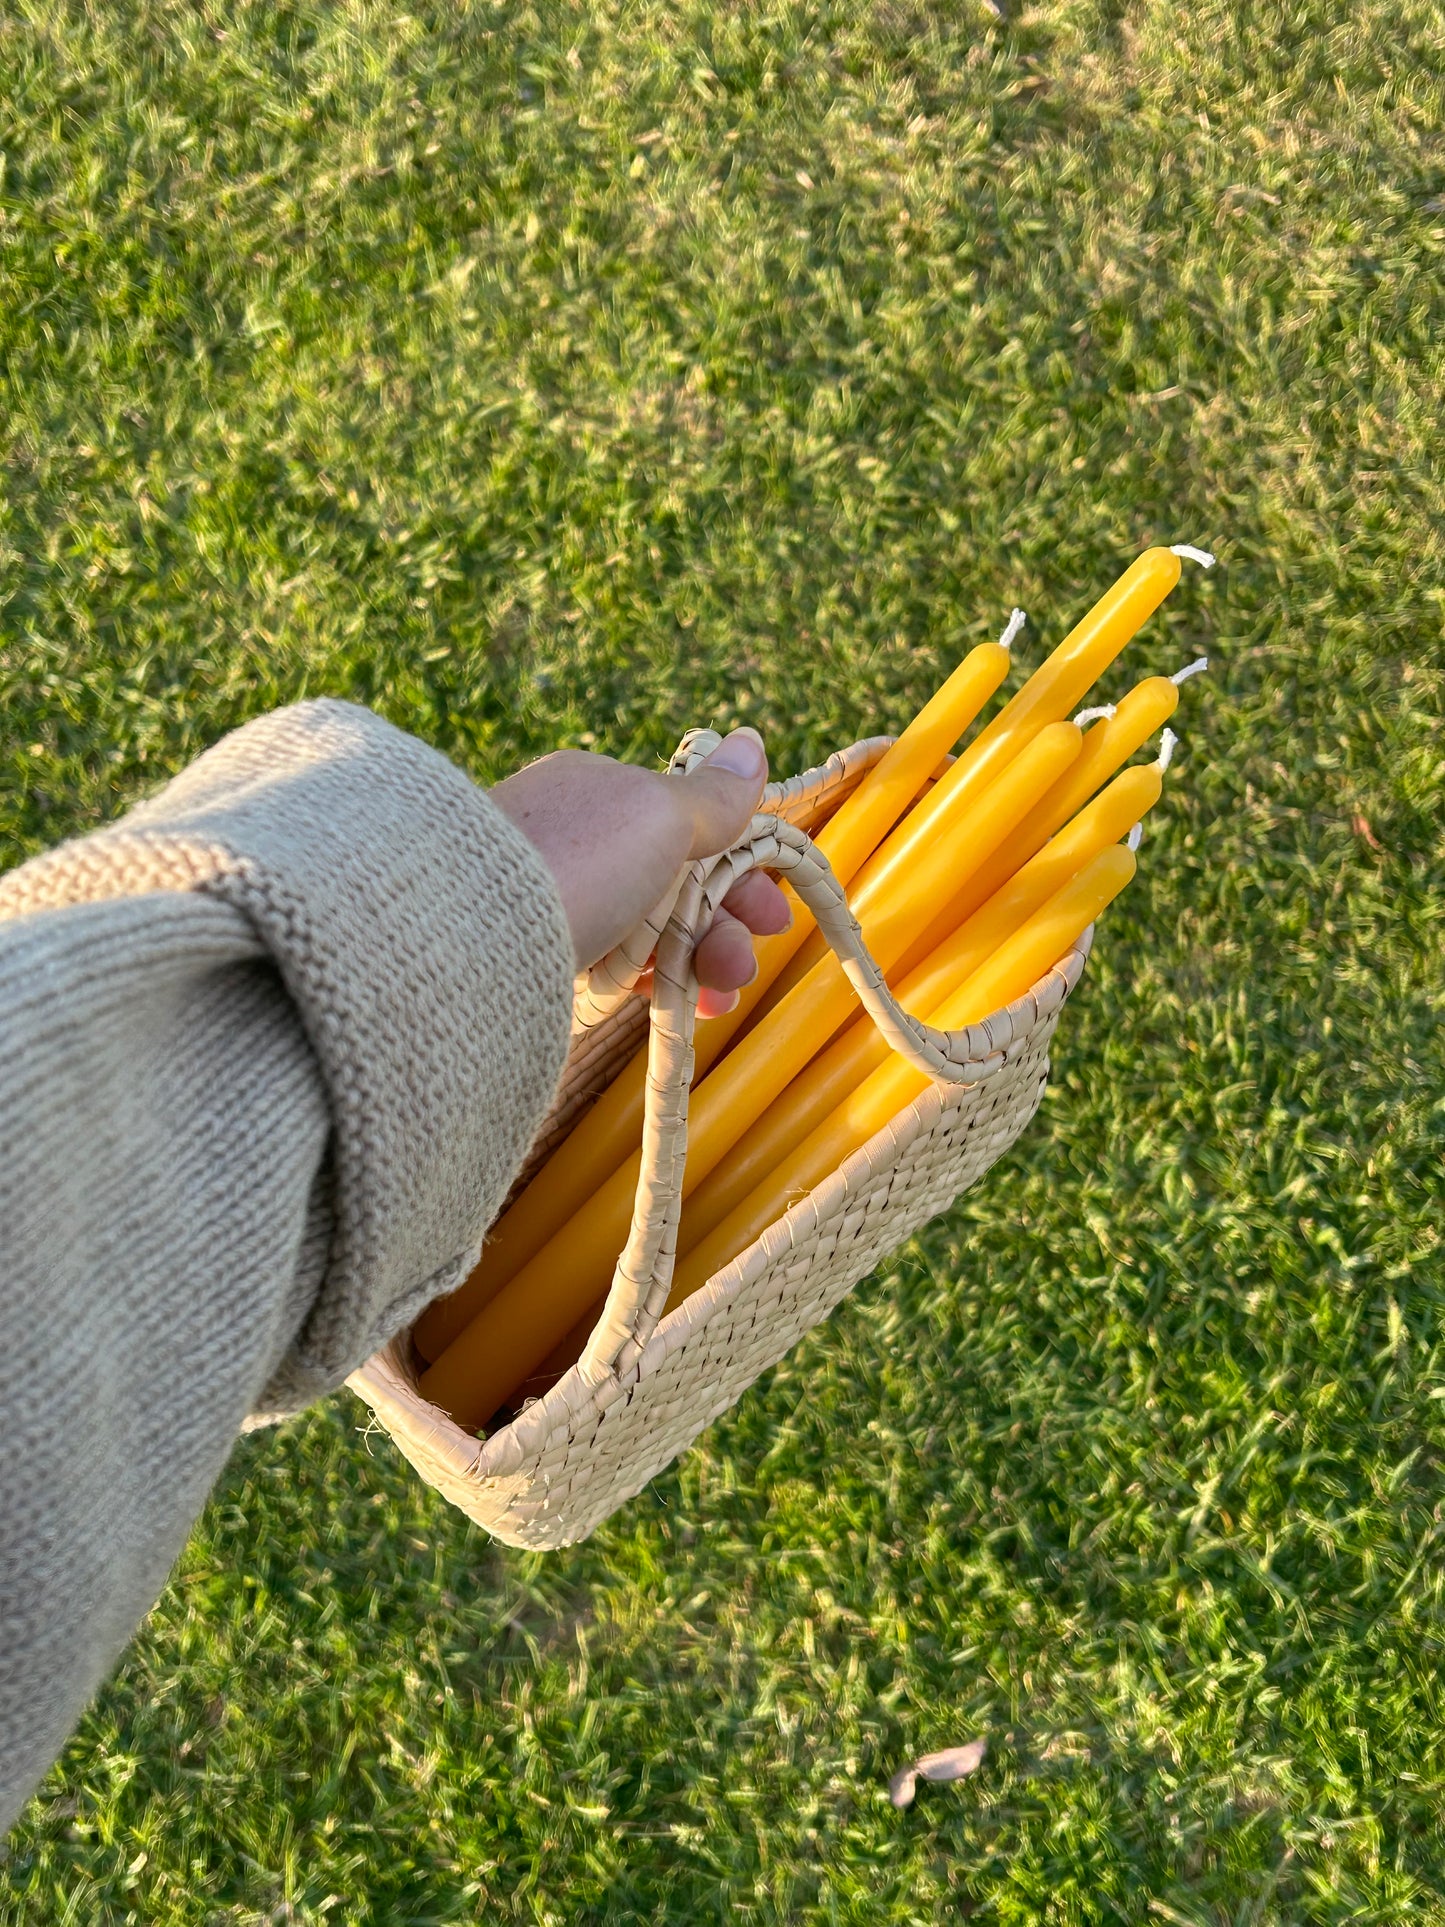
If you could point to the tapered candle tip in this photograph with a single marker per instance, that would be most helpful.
(1189, 553)
(1015, 622)
(1195, 668)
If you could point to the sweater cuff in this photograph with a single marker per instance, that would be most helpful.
(423, 943)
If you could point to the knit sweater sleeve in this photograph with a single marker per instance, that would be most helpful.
(271, 1050)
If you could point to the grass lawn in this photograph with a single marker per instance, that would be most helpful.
(573, 371)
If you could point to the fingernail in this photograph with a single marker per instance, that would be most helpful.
(708, 1009)
(741, 754)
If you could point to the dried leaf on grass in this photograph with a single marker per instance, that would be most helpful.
(953, 1763)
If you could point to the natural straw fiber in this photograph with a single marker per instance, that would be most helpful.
(646, 1384)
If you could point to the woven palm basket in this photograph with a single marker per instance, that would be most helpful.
(648, 1383)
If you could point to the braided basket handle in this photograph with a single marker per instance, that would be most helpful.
(643, 1277)
(601, 989)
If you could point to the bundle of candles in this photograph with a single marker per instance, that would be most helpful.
(970, 876)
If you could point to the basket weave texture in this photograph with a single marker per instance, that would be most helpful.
(648, 1383)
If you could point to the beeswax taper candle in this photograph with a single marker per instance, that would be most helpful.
(594, 1149)
(1108, 745)
(1012, 970)
(506, 1341)
(1052, 690)
(842, 1067)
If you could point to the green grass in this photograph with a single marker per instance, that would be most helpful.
(576, 371)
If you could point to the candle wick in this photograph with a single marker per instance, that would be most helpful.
(1104, 712)
(1195, 668)
(1016, 621)
(1167, 743)
(1135, 836)
(1191, 554)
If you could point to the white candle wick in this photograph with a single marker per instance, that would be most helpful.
(1016, 621)
(1195, 668)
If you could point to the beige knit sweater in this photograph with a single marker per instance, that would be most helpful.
(271, 1049)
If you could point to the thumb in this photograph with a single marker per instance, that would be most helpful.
(722, 792)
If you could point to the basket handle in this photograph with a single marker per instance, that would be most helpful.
(643, 1277)
(611, 982)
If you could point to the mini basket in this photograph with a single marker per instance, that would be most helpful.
(648, 1384)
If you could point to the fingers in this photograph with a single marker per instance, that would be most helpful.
(715, 1003)
(754, 907)
(722, 793)
(724, 961)
(724, 958)
(710, 1003)
(757, 901)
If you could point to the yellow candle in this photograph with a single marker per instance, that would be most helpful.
(850, 836)
(601, 1139)
(1108, 745)
(842, 1067)
(1051, 691)
(560, 1359)
(512, 1334)
(1011, 971)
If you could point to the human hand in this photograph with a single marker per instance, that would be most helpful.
(614, 837)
